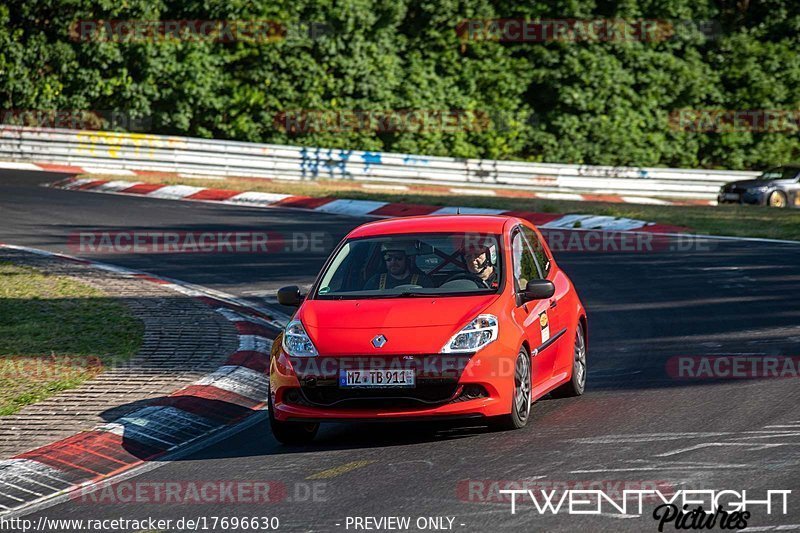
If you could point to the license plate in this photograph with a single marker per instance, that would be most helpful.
(730, 196)
(376, 378)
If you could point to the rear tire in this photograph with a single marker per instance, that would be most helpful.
(577, 383)
(291, 433)
(777, 199)
(522, 399)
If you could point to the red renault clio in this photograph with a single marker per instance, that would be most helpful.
(431, 317)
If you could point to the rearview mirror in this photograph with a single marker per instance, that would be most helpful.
(536, 289)
(290, 296)
(425, 249)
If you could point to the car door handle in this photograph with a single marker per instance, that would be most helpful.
(553, 303)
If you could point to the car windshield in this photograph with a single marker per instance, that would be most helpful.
(409, 265)
(778, 173)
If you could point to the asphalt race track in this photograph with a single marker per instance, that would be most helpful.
(636, 424)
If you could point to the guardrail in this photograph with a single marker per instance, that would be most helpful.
(99, 150)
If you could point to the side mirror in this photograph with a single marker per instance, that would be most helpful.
(290, 296)
(537, 289)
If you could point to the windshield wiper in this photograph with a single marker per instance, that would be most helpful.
(409, 294)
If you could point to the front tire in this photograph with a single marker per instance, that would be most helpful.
(291, 433)
(577, 383)
(777, 199)
(522, 398)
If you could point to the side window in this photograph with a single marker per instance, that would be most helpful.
(771, 174)
(524, 263)
(538, 251)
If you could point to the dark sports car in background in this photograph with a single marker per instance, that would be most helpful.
(776, 187)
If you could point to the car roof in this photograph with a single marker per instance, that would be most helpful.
(787, 165)
(434, 223)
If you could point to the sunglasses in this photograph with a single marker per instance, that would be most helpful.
(394, 257)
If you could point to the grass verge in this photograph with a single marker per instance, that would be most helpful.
(55, 333)
(730, 220)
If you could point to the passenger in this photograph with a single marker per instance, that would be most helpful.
(401, 268)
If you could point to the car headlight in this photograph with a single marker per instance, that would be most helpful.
(473, 336)
(296, 341)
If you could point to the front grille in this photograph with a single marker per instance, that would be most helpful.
(742, 193)
(437, 377)
(375, 399)
(326, 394)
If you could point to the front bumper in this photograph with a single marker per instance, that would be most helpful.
(446, 387)
(289, 413)
(742, 196)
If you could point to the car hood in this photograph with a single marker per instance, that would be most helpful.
(750, 184)
(410, 325)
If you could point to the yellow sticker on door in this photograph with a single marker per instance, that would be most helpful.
(544, 323)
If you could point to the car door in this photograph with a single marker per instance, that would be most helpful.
(791, 185)
(533, 316)
(558, 312)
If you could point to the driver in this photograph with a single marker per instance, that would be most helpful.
(401, 268)
(479, 260)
